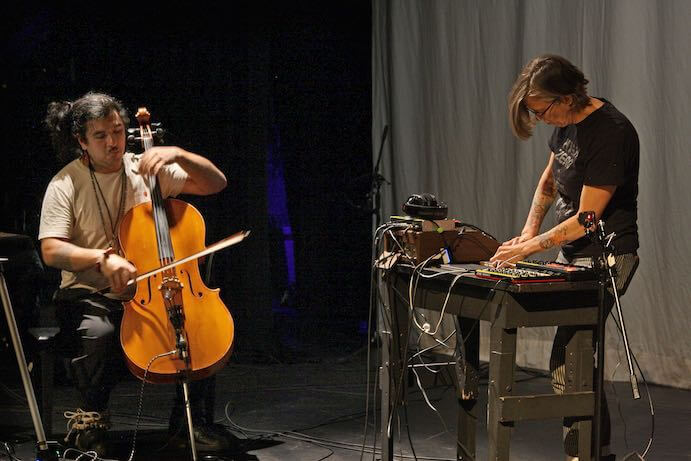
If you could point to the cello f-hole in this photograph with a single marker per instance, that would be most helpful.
(193, 289)
(148, 291)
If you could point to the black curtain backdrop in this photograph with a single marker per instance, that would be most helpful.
(229, 83)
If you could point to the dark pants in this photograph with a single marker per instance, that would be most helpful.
(625, 268)
(89, 338)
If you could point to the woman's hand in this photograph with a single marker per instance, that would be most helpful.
(525, 236)
(510, 253)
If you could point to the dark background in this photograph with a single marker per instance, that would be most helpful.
(265, 90)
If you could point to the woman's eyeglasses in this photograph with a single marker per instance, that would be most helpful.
(541, 114)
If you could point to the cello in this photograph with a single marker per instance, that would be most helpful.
(174, 328)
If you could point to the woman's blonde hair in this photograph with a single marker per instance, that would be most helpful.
(547, 77)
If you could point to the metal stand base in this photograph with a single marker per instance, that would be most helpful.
(604, 267)
(600, 377)
(190, 424)
(44, 452)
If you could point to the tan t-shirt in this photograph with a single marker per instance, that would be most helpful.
(70, 210)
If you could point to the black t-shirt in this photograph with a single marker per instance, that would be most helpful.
(601, 150)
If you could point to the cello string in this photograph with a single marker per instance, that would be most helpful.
(157, 219)
(166, 245)
(162, 232)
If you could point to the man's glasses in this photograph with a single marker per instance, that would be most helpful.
(541, 114)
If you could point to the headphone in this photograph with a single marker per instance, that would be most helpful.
(425, 206)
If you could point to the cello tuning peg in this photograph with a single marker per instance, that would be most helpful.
(158, 135)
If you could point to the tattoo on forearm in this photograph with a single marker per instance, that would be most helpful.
(548, 188)
(546, 243)
(560, 232)
(537, 213)
(541, 202)
(538, 209)
(556, 236)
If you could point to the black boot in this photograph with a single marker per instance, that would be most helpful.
(207, 437)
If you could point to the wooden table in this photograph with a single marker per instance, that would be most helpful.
(507, 306)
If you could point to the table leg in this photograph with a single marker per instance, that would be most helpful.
(468, 386)
(385, 375)
(578, 378)
(502, 361)
(392, 325)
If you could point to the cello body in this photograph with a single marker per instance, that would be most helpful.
(146, 330)
(174, 328)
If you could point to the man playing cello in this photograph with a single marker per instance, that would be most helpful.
(82, 209)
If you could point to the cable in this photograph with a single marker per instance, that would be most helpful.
(487, 302)
(320, 441)
(125, 418)
(427, 349)
(9, 451)
(647, 391)
(440, 231)
(289, 434)
(632, 356)
(407, 429)
(295, 435)
(417, 273)
(460, 270)
(374, 412)
(429, 404)
(374, 296)
(472, 226)
(92, 455)
(369, 336)
(411, 296)
(443, 309)
(459, 350)
(18, 397)
(141, 399)
(489, 297)
(501, 263)
(412, 289)
(404, 359)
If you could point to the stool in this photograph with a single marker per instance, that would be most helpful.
(43, 371)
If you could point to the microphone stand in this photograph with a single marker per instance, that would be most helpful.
(605, 269)
(377, 181)
(372, 205)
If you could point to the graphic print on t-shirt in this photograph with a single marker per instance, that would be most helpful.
(567, 154)
(564, 209)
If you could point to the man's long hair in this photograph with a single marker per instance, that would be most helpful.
(67, 121)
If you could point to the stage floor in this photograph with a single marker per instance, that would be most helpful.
(315, 410)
